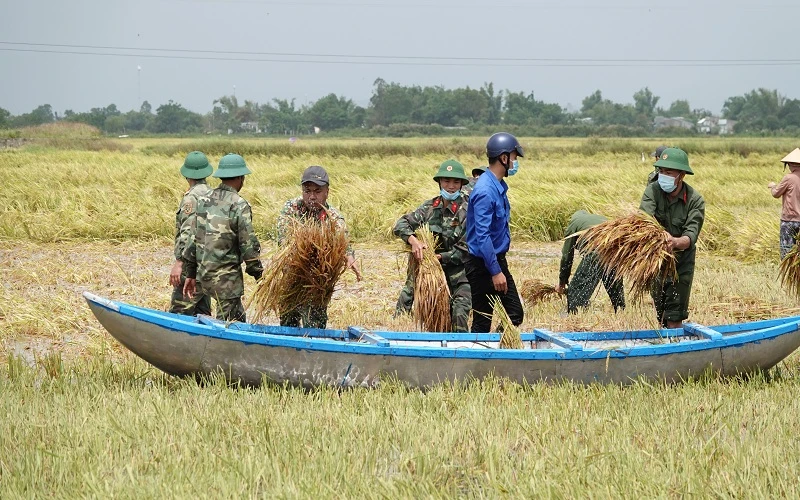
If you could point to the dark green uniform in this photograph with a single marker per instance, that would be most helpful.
(682, 215)
(200, 303)
(223, 239)
(446, 219)
(589, 272)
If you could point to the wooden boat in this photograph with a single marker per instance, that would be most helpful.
(253, 354)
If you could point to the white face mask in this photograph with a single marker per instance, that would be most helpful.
(666, 182)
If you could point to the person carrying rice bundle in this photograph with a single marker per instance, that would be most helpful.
(445, 216)
(589, 272)
(680, 210)
(789, 192)
(312, 204)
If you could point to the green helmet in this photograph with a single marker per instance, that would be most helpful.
(477, 171)
(675, 159)
(451, 169)
(196, 166)
(231, 165)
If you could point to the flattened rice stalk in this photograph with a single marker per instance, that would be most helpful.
(510, 335)
(789, 271)
(534, 291)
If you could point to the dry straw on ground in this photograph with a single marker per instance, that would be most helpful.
(305, 271)
(510, 335)
(634, 247)
(789, 271)
(431, 309)
(535, 291)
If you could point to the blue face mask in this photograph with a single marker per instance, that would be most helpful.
(514, 168)
(450, 197)
(666, 182)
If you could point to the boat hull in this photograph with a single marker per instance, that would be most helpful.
(167, 342)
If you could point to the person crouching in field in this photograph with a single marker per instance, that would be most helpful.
(312, 204)
(589, 272)
(446, 216)
(223, 238)
(789, 192)
(476, 172)
(681, 211)
(195, 169)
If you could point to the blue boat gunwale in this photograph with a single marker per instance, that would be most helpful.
(752, 332)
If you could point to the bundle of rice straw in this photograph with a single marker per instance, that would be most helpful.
(534, 291)
(510, 337)
(431, 309)
(635, 248)
(789, 271)
(305, 271)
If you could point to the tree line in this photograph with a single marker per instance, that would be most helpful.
(399, 110)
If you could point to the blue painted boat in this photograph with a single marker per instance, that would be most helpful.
(254, 354)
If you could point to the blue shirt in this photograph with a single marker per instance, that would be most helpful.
(488, 213)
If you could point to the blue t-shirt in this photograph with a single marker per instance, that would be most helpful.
(488, 213)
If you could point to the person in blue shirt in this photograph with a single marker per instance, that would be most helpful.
(489, 237)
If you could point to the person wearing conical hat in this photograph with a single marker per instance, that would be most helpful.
(789, 192)
(446, 216)
(195, 169)
(680, 210)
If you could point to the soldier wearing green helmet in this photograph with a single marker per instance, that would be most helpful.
(681, 211)
(195, 169)
(445, 215)
(223, 239)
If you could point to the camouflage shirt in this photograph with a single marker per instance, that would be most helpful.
(296, 209)
(222, 238)
(185, 210)
(446, 219)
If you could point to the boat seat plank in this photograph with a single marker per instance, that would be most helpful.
(557, 339)
(701, 331)
(372, 338)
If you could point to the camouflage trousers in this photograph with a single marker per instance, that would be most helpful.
(789, 231)
(199, 304)
(460, 296)
(311, 316)
(585, 281)
(231, 310)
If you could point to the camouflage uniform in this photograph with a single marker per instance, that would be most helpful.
(312, 316)
(199, 303)
(446, 219)
(223, 239)
(589, 272)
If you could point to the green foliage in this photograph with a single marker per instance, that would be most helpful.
(172, 118)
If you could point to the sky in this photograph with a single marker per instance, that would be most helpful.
(80, 54)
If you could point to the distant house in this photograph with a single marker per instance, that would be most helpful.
(250, 127)
(677, 122)
(707, 124)
(726, 126)
(715, 125)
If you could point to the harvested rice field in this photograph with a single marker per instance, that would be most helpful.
(81, 416)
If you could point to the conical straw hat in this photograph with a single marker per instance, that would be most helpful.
(793, 157)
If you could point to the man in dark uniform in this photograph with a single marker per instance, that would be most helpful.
(589, 272)
(681, 211)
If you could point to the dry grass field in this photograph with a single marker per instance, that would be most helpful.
(84, 417)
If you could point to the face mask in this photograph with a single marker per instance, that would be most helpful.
(514, 168)
(450, 197)
(666, 182)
